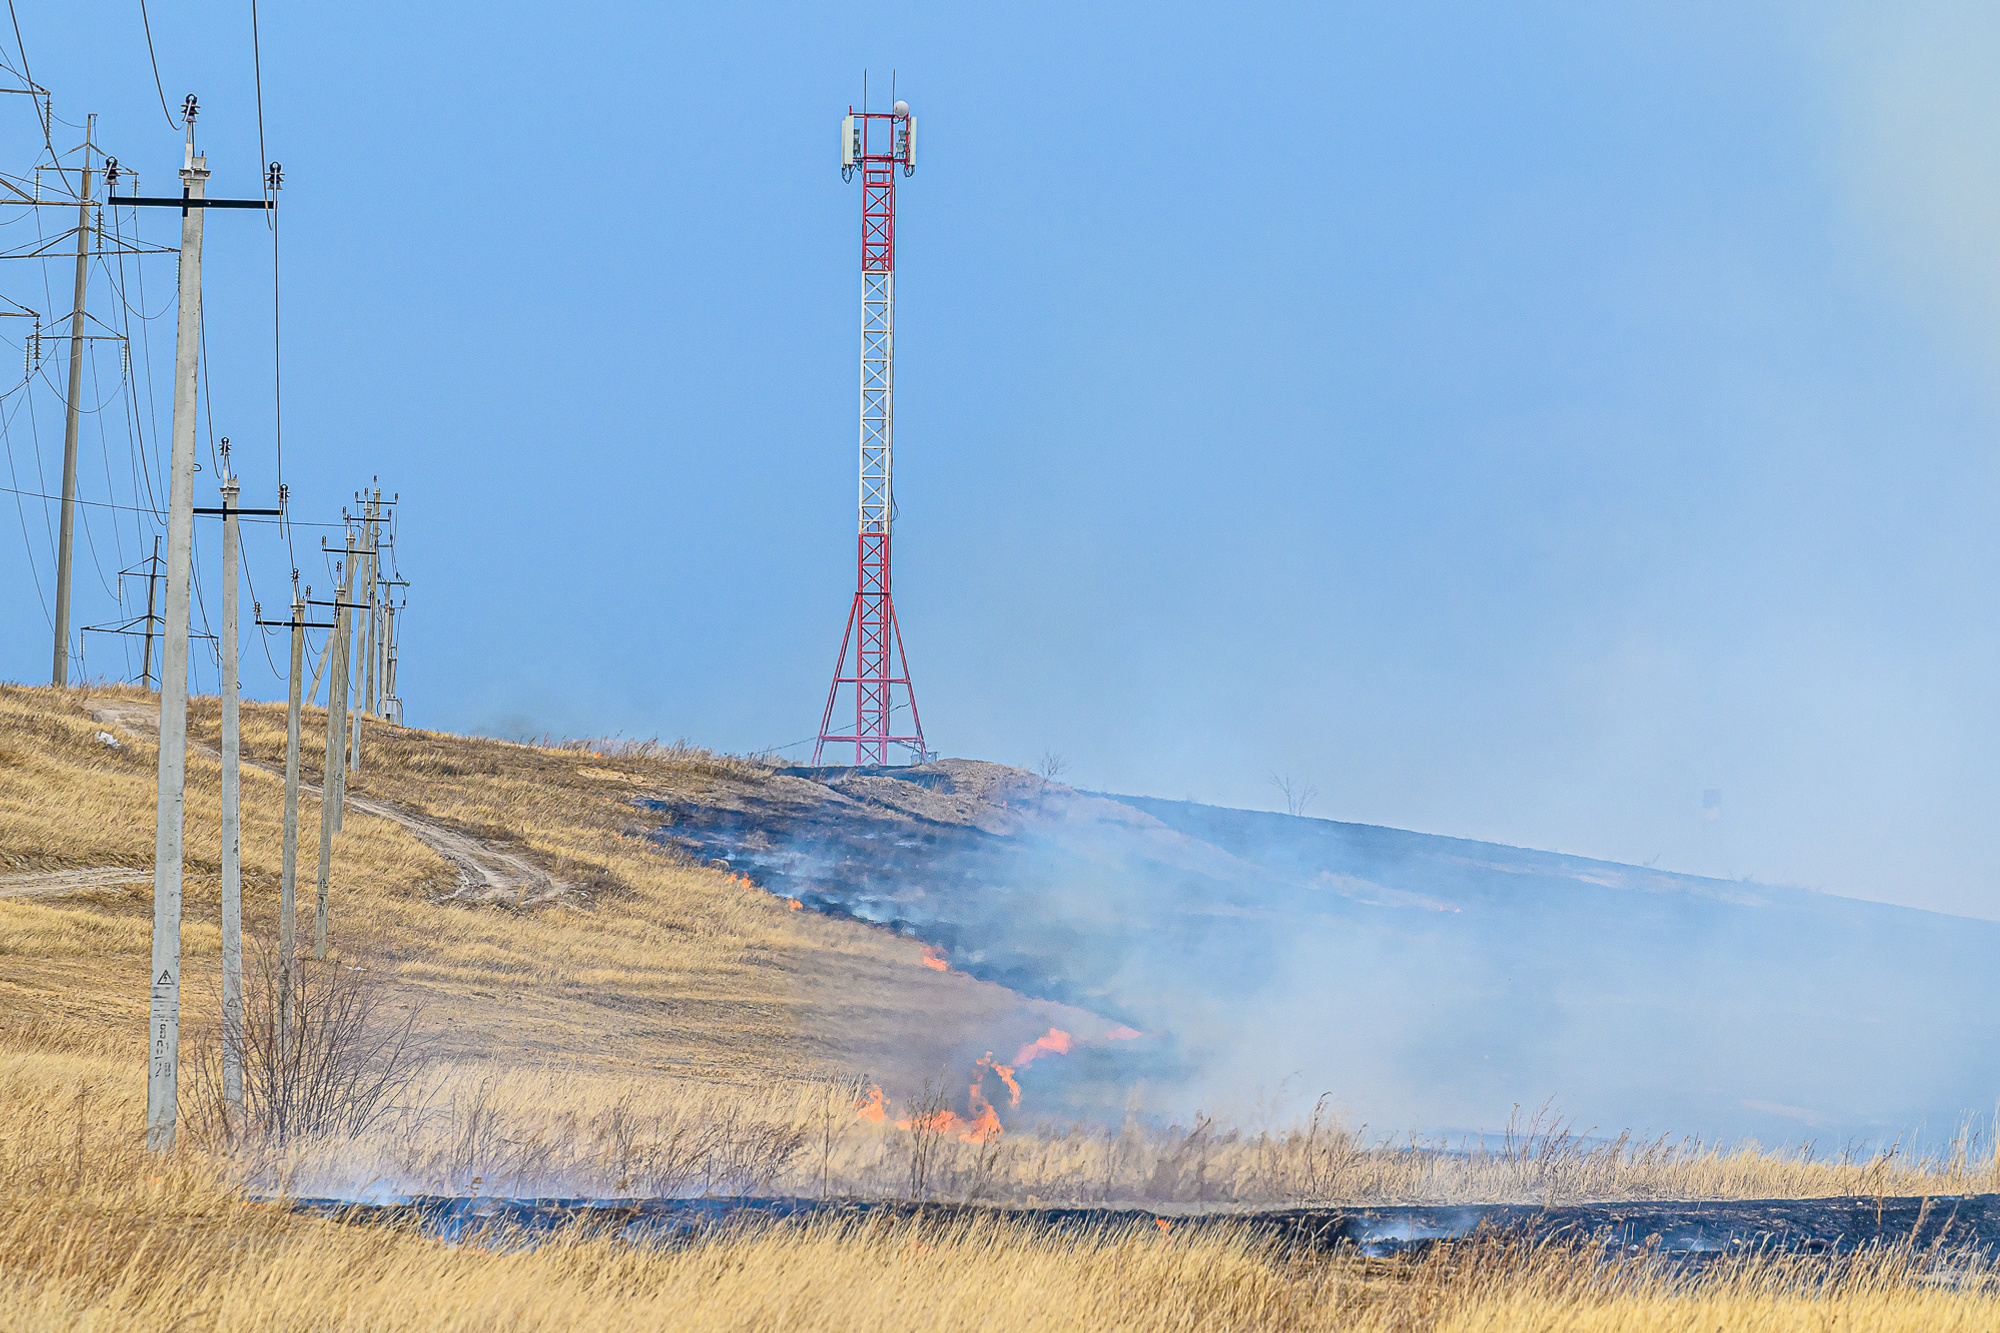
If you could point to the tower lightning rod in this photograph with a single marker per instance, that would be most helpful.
(880, 145)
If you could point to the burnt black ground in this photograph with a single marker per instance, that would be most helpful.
(1429, 983)
(1688, 1233)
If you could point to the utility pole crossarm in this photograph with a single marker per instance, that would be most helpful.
(175, 201)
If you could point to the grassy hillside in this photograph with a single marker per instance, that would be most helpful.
(643, 1024)
(642, 963)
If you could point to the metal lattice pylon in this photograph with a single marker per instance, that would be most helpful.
(878, 145)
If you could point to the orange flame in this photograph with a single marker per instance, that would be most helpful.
(1163, 1224)
(1006, 1076)
(1054, 1042)
(984, 1126)
(934, 959)
(794, 905)
(938, 1122)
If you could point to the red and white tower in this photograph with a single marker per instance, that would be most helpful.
(877, 144)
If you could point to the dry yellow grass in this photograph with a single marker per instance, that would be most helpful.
(94, 1234)
(590, 1039)
(651, 967)
(555, 1132)
(660, 987)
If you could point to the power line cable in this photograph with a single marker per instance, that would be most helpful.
(110, 486)
(7, 438)
(272, 181)
(257, 66)
(27, 76)
(154, 513)
(149, 460)
(41, 477)
(171, 122)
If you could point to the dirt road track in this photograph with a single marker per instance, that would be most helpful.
(486, 873)
(56, 883)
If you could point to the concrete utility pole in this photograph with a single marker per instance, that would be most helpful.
(288, 925)
(288, 878)
(146, 676)
(370, 694)
(342, 671)
(232, 813)
(329, 780)
(389, 698)
(363, 634)
(379, 689)
(336, 748)
(66, 543)
(164, 1019)
(232, 803)
(325, 656)
(150, 568)
(164, 1016)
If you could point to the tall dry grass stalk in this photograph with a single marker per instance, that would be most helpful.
(562, 1133)
(95, 1234)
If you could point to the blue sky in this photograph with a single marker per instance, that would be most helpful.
(1515, 424)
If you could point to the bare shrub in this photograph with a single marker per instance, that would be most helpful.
(1182, 1171)
(834, 1115)
(930, 1118)
(744, 1153)
(1298, 792)
(323, 1055)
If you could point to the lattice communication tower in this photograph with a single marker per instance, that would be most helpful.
(879, 145)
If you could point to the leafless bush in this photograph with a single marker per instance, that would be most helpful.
(1052, 765)
(930, 1118)
(334, 1062)
(745, 1153)
(1298, 792)
(833, 1117)
(1182, 1172)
